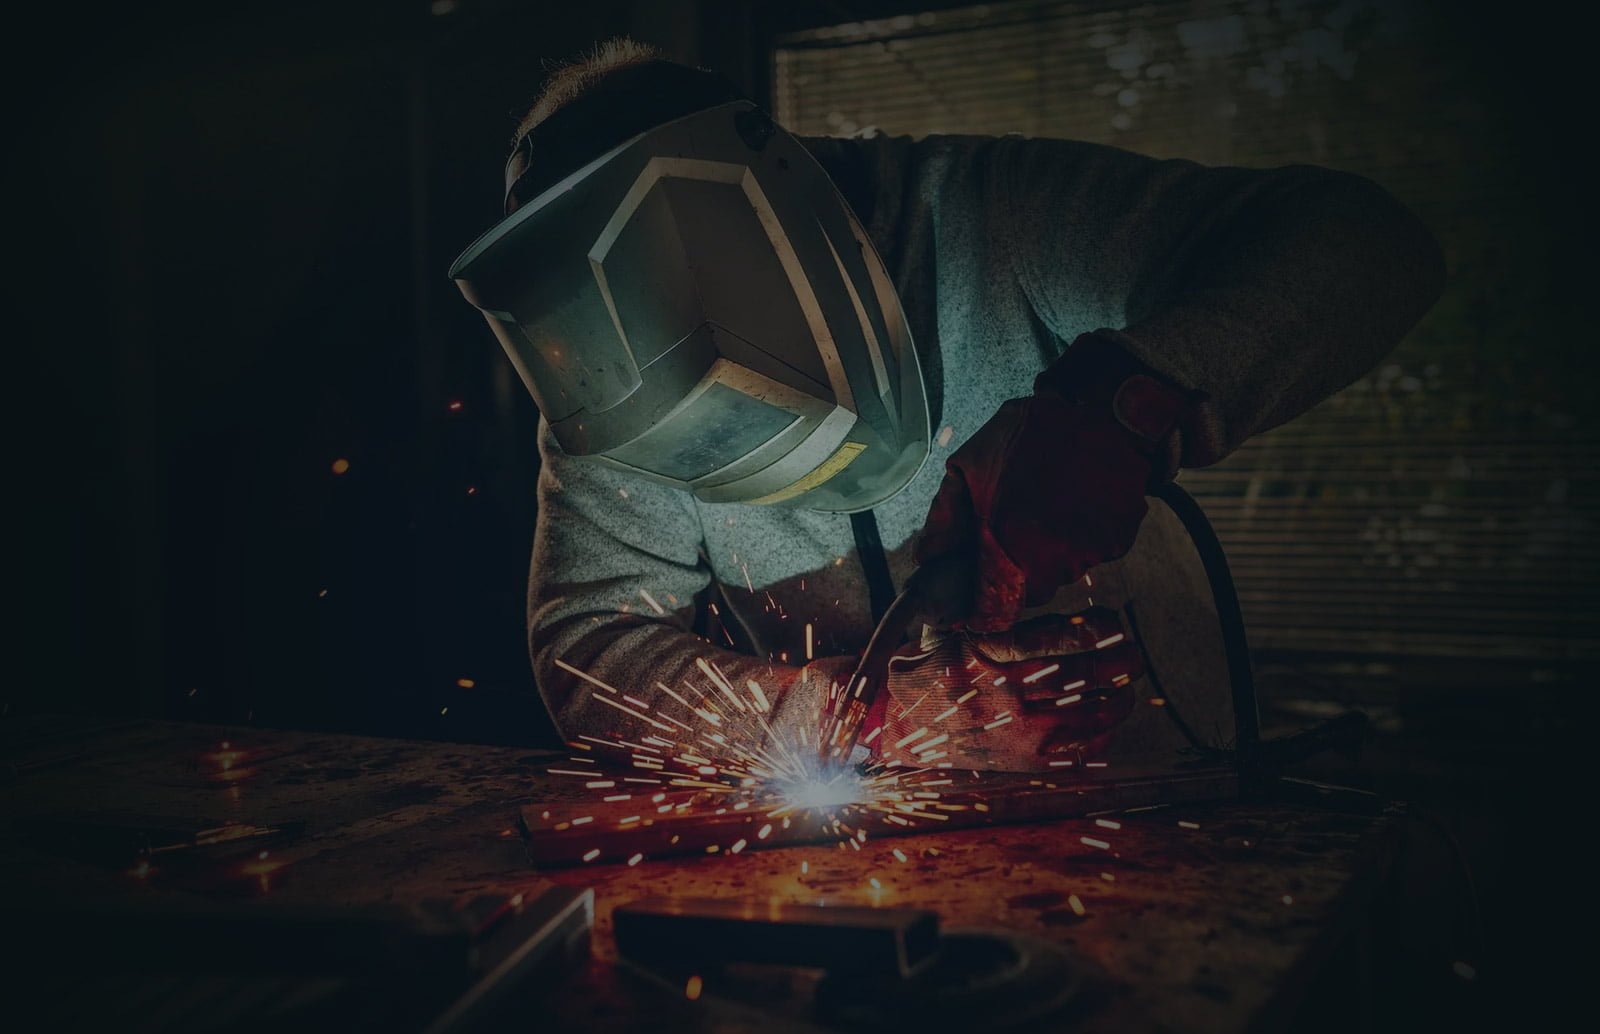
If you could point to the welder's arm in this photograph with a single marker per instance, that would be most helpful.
(603, 543)
(1196, 307)
(1265, 291)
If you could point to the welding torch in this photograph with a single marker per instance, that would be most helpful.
(937, 593)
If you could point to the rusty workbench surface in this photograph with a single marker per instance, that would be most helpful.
(1215, 924)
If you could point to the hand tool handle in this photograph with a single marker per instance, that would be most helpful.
(938, 591)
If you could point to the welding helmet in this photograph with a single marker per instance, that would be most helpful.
(688, 298)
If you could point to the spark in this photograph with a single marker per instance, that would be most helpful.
(585, 676)
(692, 989)
(907, 712)
(716, 742)
(652, 601)
(1183, 824)
(1041, 673)
(1092, 842)
(628, 710)
(1075, 904)
(1110, 640)
(902, 741)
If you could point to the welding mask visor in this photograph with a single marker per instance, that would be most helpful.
(699, 306)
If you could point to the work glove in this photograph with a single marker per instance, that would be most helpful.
(1046, 695)
(1054, 483)
(801, 711)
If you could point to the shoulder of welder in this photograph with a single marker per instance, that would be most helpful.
(886, 179)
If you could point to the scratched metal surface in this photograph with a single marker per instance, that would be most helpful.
(1210, 928)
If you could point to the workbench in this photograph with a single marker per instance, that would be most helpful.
(1212, 917)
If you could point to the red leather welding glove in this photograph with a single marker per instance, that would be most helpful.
(1046, 695)
(1054, 483)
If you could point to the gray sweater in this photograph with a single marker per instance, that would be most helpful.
(1268, 290)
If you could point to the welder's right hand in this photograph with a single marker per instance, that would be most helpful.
(1052, 484)
(1045, 695)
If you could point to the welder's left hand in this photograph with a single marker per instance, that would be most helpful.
(1045, 695)
(802, 712)
(1053, 484)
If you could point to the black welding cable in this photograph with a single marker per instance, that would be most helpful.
(874, 563)
(1241, 677)
(1464, 867)
(1171, 706)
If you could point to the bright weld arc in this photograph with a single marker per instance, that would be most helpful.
(775, 773)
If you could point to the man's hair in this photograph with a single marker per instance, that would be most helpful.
(618, 91)
(574, 78)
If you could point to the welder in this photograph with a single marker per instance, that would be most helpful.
(776, 374)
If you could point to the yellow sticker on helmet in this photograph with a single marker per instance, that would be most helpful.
(827, 469)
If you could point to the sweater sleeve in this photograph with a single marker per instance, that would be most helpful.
(618, 574)
(1267, 290)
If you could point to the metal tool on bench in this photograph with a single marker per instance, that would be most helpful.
(882, 969)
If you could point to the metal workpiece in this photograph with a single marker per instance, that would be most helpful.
(562, 834)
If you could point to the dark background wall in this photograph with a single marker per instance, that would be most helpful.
(237, 287)
(279, 472)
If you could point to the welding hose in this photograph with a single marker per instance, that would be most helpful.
(1236, 648)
